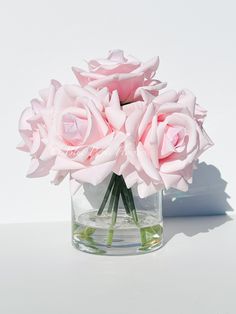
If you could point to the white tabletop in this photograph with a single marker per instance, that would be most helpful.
(195, 272)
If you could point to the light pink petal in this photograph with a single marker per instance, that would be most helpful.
(178, 161)
(48, 153)
(27, 138)
(86, 94)
(171, 140)
(179, 119)
(94, 174)
(111, 152)
(104, 142)
(43, 93)
(134, 106)
(172, 180)
(42, 131)
(188, 100)
(116, 62)
(167, 97)
(144, 94)
(153, 141)
(130, 176)
(93, 132)
(98, 117)
(115, 101)
(121, 163)
(63, 163)
(146, 119)
(55, 85)
(48, 94)
(23, 122)
(145, 190)
(146, 163)
(81, 76)
(37, 105)
(149, 68)
(23, 147)
(204, 140)
(187, 173)
(200, 113)
(131, 153)
(36, 143)
(59, 177)
(63, 99)
(117, 55)
(73, 128)
(51, 95)
(171, 107)
(83, 154)
(115, 117)
(102, 95)
(125, 84)
(133, 121)
(39, 168)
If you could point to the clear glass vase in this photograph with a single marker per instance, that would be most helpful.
(110, 219)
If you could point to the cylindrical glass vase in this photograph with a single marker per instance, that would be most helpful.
(110, 219)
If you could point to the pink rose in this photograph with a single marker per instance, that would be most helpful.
(86, 133)
(34, 126)
(164, 140)
(127, 75)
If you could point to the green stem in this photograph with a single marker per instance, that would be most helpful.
(115, 204)
(110, 236)
(106, 196)
(126, 205)
(116, 188)
(130, 201)
(133, 209)
(143, 237)
(113, 195)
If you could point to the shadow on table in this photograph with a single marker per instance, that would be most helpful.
(206, 197)
(201, 224)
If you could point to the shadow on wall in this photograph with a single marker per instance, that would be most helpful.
(206, 195)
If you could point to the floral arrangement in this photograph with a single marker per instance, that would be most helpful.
(116, 120)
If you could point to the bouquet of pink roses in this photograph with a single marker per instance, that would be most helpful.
(115, 121)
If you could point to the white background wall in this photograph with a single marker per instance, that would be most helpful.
(40, 40)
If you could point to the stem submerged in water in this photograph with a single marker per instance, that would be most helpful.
(116, 188)
(108, 191)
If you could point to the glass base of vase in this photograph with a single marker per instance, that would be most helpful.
(95, 234)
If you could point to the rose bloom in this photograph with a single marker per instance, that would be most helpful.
(33, 127)
(165, 138)
(127, 75)
(86, 134)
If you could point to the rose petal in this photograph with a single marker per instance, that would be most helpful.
(59, 177)
(149, 68)
(115, 117)
(81, 76)
(167, 97)
(188, 100)
(94, 174)
(63, 163)
(39, 168)
(111, 151)
(172, 180)
(147, 117)
(146, 163)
